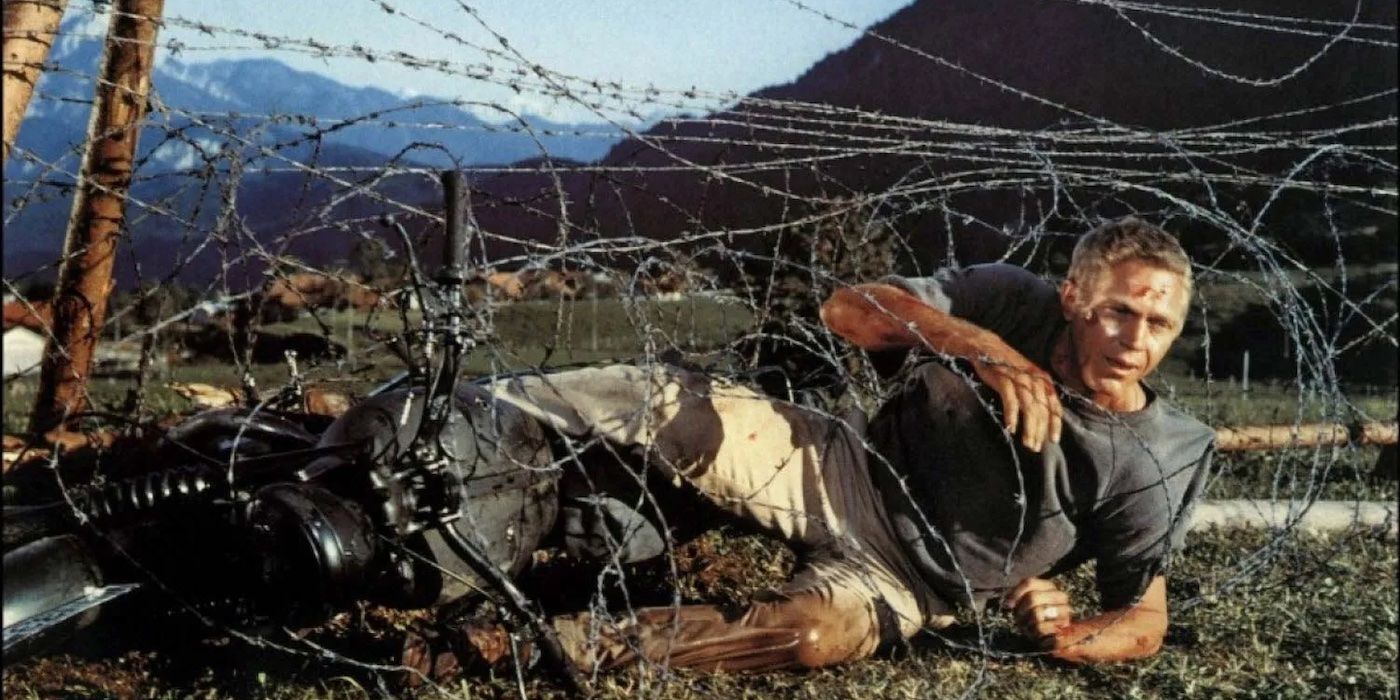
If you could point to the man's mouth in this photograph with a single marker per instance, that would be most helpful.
(1120, 366)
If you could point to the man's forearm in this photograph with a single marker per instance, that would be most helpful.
(882, 317)
(1117, 635)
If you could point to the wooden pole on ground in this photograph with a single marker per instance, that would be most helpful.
(30, 27)
(1273, 437)
(89, 250)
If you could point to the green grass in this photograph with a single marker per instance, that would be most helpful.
(583, 326)
(1299, 474)
(1316, 620)
(527, 335)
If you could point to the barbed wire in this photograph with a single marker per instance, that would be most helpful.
(753, 203)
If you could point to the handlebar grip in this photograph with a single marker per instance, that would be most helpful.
(454, 254)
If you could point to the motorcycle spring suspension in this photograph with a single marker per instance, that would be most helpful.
(149, 491)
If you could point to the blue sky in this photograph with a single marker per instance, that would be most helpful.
(714, 45)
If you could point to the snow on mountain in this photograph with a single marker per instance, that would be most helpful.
(268, 116)
(259, 89)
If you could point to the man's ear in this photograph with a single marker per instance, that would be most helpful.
(1069, 299)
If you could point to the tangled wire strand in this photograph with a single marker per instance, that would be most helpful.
(1230, 183)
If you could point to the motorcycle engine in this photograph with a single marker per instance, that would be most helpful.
(493, 482)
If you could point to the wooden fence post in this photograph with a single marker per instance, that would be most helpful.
(30, 27)
(89, 249)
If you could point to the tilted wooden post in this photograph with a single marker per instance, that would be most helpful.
(89, 250)
(30, 27)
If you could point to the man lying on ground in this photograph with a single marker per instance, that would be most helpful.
(1027, 445)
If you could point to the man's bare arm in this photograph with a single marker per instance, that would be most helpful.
(1124, 634)
(884, 317)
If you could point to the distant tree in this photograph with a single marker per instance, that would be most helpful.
(1358, 329)
(154, 304)
(369, 258)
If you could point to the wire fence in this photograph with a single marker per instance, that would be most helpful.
(708, 238)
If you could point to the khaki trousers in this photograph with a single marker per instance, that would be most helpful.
(797, 474)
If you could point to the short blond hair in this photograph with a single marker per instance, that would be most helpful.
(1128, 238)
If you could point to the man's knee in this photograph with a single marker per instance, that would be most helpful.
(827, 633)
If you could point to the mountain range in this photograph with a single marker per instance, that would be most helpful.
(1009, 64)
(1046, 66)
(199, 108)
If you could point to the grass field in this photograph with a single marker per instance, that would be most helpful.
(552, 334)
(1256, 615)
(1316, 620)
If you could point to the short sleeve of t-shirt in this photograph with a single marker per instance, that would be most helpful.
(1020, 307)
(1142, 521)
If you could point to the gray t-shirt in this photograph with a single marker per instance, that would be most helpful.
(979, 513)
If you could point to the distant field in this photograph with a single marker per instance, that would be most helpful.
(552, 334)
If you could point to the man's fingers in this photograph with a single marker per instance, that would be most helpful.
(1010, 405)
(1046, 631)
(1040, 603)
(1012, 599)
(1045, 620)
(1056, 422)
(1053, 408)
(1037, 416)
(1058, 613)
(1039, 608)
(1029, 405)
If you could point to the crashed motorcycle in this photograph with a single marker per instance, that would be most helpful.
(419, 495)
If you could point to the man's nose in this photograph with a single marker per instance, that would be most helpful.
(1135, 334)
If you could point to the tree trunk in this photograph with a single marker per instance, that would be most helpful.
(30, 27)
(89, 250)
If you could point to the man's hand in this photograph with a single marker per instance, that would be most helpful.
(1041, 610)
(1028, 398)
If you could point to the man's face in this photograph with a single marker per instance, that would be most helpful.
(1123, 322)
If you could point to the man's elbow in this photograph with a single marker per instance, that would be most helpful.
(841, 313)
(1152, 645)
(1149, 634)
(1146, 644)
